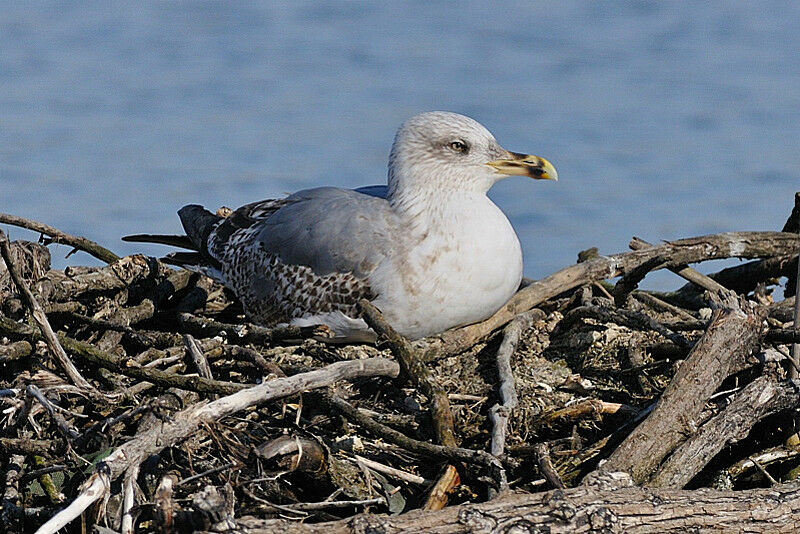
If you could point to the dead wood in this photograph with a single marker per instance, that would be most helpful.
(188, 421)
(57, 236)
(507, 387)
(41, 319)
(57, 286)
(584, 509)
(731, 337)
(760, 398)
(675, 253)
(248, 332)
(567, 385)
(695, 277)
(413, 367)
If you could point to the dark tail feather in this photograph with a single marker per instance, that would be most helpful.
(198, 223)
(180, 241)
(184, 259)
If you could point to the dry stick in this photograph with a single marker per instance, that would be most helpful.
(451, 454)
(767, 456)
(61, 423)
(680, 252)
(414, 368)
(631, 319)
(441, 414)
(15, 351)
(249, 333)
(200, 360)
(57, 236)
(631, 510)
(658, 304)
(438, 496)
(27, 446)
(586, 408)
(56, 286)
(731, 337)
(391, 471)
(742, 278)
(41, 320)
(546, 466)
(128, 499)
(325, 505)
(507, 389)
(188, 421)
(687, 273)
(164, 505)
(762, 397)
(125, 366)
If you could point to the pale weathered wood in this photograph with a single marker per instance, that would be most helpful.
(629, 510)
(186, 422)
(507, 387)
(731, 337)
(57, 236)
(41, 320)
(675, 253)
(760, 398)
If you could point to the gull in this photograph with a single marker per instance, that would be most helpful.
(429, 249)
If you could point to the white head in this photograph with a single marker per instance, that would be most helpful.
(445, 151)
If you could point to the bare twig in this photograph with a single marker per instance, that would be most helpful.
(57, 236)
(41, 320)
(680, 252)
(200, 361)
(415, 369)
(687, 273)
(188, 421)
(507, 388)
(546, 466)
(63, 427)
(249, 333)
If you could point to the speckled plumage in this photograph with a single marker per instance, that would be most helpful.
(430, 249)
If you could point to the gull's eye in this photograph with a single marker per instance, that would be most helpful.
(459, 146)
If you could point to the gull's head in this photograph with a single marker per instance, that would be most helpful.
(442, 151)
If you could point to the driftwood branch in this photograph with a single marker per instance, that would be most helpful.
(760, 398)
(585, 509)
(678, 253)
(188, 421)
(730, 338)
(57, 236)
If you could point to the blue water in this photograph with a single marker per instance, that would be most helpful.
(664, 119)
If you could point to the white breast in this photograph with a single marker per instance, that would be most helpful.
(465, 264)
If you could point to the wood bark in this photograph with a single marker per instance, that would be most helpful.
(189, 420)
(730, 338)
(629, 510)
(760, 398)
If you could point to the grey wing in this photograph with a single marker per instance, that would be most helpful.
(311, 254)
(331, 230)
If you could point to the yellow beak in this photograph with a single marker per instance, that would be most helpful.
(525, 165)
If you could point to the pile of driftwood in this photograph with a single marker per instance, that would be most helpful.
(136, 397)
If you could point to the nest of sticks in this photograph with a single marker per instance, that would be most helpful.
(137, 397)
